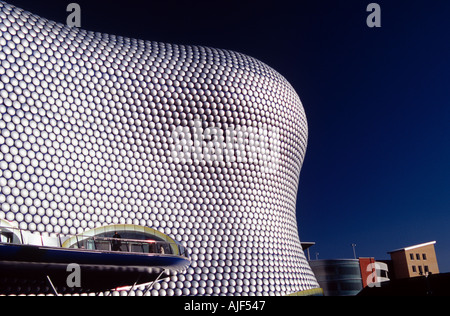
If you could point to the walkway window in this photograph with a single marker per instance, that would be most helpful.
(126, 238)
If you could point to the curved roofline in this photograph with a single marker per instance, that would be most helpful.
(121, 227)
(7, 224)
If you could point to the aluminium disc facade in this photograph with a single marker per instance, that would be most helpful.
(204, 145)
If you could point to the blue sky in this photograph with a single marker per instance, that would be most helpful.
(377, 169)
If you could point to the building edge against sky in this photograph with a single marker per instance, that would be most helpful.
(414, 260)
(406, 273)
(204, 145)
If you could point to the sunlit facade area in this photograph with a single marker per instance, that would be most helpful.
(192, 155)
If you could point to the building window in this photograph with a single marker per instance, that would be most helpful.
(417, 256)
(420, 270)
(426, 269)
(414, 269)
(424, 256)
(411, 256)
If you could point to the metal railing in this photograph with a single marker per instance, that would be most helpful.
(12, 235)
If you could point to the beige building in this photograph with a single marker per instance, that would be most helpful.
(414, 261)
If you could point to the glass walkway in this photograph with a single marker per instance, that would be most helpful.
(108, 257)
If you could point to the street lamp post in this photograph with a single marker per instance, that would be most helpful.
(354, 253)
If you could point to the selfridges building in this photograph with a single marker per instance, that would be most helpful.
(202, 145)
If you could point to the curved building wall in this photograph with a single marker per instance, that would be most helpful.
(204, 145)
(338, 277)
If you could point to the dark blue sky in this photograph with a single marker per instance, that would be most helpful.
(377, 168)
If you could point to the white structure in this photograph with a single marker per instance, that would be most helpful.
(203, 145)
